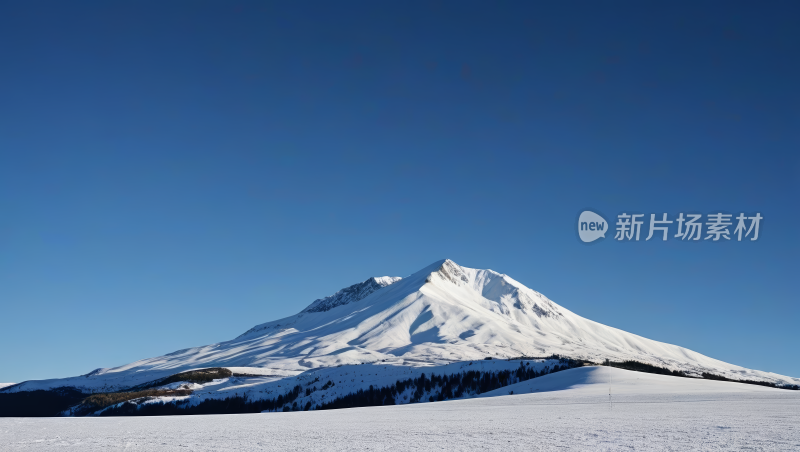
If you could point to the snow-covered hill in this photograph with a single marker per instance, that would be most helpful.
(442, 314)
(621, 384)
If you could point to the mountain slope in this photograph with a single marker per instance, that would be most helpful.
(443, 313)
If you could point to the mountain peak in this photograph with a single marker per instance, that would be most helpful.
(450, 271)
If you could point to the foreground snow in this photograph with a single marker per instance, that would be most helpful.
(3, 385)
(570, 410)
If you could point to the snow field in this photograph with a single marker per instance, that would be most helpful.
(653, 413)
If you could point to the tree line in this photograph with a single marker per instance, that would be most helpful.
(424, 388)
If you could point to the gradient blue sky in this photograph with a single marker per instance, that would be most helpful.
(173, 173)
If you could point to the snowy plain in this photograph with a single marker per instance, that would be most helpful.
(568, 410)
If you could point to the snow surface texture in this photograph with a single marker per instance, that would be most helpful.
(442, 314)
(649, 412)
(3, 385)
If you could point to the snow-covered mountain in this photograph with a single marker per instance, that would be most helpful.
(442, 314)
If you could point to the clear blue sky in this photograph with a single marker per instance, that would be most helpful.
(173, 173)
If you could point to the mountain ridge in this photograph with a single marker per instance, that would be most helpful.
(350, 294)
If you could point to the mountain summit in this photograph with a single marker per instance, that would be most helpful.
(443, 313)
